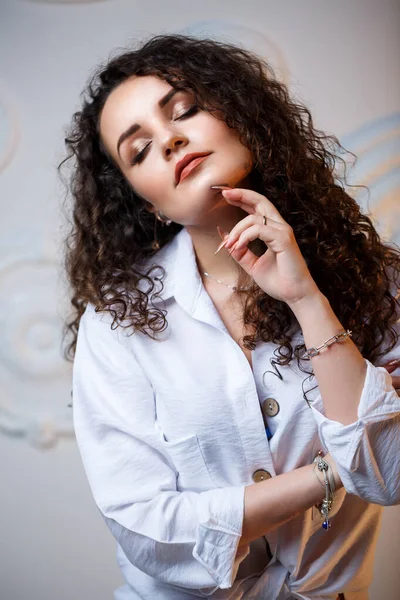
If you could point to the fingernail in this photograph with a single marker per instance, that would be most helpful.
(232, 249)
(222, 234)
(222, 244)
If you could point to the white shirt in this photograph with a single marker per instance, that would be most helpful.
(170, 433)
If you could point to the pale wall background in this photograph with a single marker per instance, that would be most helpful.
(342, 58)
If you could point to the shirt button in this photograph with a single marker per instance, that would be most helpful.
(261, 475)
(270, 407)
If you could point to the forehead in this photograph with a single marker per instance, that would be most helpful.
(129, 103)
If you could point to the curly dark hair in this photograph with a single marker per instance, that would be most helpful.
(294, 167)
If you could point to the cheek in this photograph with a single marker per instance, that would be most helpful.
(228, 138)
(210, 129)
(146, 186)
(248, 160)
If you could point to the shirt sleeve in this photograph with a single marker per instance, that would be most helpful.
(186, 539)
(367, 452)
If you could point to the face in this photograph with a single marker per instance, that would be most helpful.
(147, 129)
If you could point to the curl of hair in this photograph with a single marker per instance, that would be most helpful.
(295, 164)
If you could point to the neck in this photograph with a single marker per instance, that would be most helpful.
(206, 240)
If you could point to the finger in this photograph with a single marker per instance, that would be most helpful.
(273, 237)
(396, 381)
(392, 365)
(245, 258)
(391, 368)
(245, 224)
(257, 202)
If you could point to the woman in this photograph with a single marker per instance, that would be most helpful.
(218, 475)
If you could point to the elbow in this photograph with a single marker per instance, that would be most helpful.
(372, 486)
(377, 492)
(382, 498)
(385, 500)
(391, 497)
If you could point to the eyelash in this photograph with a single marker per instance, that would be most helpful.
(139, 157)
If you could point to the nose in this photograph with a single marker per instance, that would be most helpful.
(173, 142)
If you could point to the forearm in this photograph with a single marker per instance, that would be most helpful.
(340, 369)
(271, 503)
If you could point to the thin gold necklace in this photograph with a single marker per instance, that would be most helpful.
(232, 287)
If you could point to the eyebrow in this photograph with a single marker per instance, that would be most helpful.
(133, 128)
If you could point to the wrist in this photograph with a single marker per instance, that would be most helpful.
(338, 482)
(307, 304)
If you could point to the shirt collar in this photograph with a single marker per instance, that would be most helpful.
(182, 279)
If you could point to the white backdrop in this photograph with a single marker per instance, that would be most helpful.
(341, 58)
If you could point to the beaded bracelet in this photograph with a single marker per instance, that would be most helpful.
(325, 506)
(335, 338)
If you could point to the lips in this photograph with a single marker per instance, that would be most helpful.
(186, 165)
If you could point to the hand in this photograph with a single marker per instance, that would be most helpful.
(395, 378)
(281, 272)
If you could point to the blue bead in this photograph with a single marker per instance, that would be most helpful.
(326, 525)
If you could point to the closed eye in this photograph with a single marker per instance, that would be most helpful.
(138, 158)
(192, 110)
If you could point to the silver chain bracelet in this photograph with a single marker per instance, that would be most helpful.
(332, 340)
(325, 506)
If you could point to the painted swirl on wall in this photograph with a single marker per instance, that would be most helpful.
(9, 130)
(245, 37)
(35, 379)
(65, 1)
(377, 147)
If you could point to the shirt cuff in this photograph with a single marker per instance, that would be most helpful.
(218, 535)
(379, 401)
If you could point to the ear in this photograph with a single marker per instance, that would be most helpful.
(148, 207)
